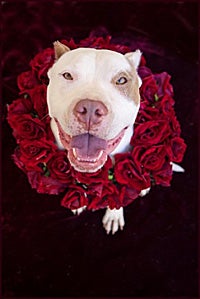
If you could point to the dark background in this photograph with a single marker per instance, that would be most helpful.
(47, 251)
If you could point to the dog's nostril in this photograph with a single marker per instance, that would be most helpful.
(99, 112)
(83, 111)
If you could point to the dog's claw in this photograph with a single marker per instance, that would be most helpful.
(108, 227)
(113, 220)
(79, 210)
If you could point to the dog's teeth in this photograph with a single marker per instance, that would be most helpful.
(100, 154)
(86, 159)
(74, 152)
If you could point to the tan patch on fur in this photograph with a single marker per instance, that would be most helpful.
(131, 88)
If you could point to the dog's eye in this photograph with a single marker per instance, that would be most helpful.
(67, 76)
(121, 81)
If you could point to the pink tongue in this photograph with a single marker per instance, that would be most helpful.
(87, 145)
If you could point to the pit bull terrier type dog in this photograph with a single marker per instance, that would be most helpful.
(93, 99)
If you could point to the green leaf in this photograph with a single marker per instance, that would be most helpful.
(46, 170)
(111, 174)
(34, 114)
(47, 173)
(156, 98)
(110, 177)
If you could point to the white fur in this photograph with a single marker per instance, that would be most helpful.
(79, 210)
(177, 168)
(93, 71)
(113, 220)
(144, 192)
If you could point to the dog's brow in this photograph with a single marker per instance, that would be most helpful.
(124, 72)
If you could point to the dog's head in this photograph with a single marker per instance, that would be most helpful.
(93, 99)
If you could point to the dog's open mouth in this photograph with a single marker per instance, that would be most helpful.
(86, 152)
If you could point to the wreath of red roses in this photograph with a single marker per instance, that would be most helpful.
(155, 144)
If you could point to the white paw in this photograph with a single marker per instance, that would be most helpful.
(79, 210)
(113, 220)
(177, 168)
(144, 192)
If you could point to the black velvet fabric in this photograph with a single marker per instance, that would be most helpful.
(48, 252)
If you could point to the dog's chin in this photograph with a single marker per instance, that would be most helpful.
(86, 152)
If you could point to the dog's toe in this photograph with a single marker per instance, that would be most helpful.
(115, 226)
(78, 211)
(144, 192)
(108, 225)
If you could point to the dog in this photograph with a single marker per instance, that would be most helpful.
(93, 99)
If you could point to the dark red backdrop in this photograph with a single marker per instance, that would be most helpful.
(47, 251)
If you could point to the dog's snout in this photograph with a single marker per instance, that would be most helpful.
(90, 112)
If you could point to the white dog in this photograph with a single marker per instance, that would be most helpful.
(93, 100)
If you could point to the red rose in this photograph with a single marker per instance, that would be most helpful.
(111, 195)
(150, 158)
(164, 86)
(128, 195)
(70, 44)
(100, 176)
(26, 127)
(99, 43)
(149, 89)
(175, 127)
(44, 184)
(102, 196)
(160, 110)
(59, 167)
(35, 152)
(94, 190)
(20, 106)
(16, 158)
(165, 106)
(96, 42)
(49, 134)
(41, 63)
(75, 198)
(150, 133)
(176, 149)
(147, 113)
(142, 62)
(154, 87)
(163, 176)
(116, 197)
(27, 80)
(118, 48)
(156, 141)
(97, 200)
(129, 173)
(39, 98)
(144, 71)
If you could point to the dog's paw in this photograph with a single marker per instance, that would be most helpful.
(144, 192)
(113, 220)
(79, 210)
(177, 168)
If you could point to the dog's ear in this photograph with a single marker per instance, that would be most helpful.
(59, 49)
(134, 58)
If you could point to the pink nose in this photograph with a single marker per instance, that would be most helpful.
(90, 112)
